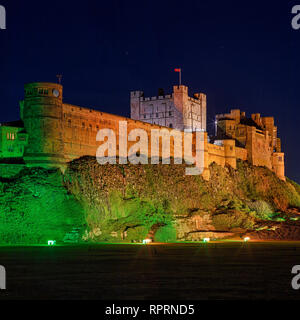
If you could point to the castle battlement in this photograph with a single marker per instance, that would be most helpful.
(168, 96)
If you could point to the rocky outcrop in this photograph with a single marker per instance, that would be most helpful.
(127, 202)
(132, 202)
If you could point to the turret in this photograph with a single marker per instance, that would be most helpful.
(42, 115)
(180, 97)
(230, 155)
(278, 165)
(135, 97)
(203, 105)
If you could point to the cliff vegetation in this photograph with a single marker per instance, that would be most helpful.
(89, 202)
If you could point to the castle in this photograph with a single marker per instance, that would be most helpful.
(51, 133)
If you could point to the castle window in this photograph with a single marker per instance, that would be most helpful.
(170, 113)
(171, 125)
(69, 123)
(97, 127)
(91, 127)
(83, 125)
(46, 92)
(10, 136)
(157, 115)
(280, 159)
(144, 116)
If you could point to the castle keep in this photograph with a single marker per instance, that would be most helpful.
(178, 110)
(52, 132)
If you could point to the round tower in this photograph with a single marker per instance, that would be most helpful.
(43, 116)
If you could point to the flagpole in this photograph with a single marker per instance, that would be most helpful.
(180, 77)
(179, 71)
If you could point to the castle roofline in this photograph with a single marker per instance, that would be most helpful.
(14, 124)
(118, 116)
(225, 118)
(251, 123)
(49, 84)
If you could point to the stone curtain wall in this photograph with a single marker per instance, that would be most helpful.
(81, 125)
(60, 132)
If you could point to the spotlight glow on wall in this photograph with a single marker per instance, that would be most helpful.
(206, 240)
(51, 243)
(147, 241)
(246, 239)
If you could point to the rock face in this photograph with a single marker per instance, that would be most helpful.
(35, 207)
(130, 203)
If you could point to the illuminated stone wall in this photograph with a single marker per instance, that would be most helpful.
(60, 132)
(257, 135)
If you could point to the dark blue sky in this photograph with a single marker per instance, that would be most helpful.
(242, 54)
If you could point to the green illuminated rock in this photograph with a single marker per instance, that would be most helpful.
(90, 202)
(35, 207)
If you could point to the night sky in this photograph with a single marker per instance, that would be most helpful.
(242, 54)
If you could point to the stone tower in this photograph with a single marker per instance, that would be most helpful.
(43, 115)
(176, 110)
(180, 96)
(135, 104)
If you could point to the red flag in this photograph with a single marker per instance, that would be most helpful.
(177, 70)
